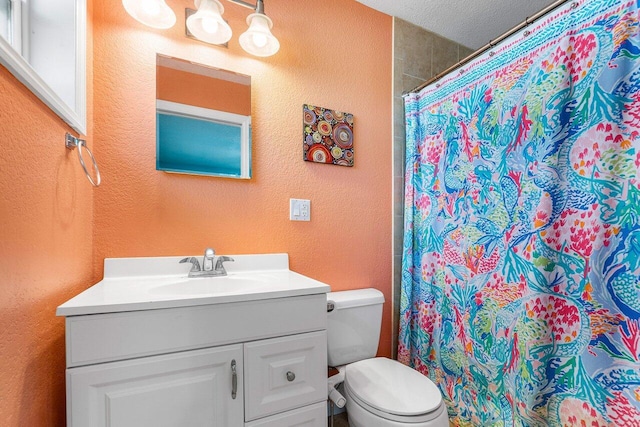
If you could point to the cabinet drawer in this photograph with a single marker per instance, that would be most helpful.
(99, 338)
(310, 416)
(285, 373)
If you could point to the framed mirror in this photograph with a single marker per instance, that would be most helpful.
(203, 120)
(43, 44)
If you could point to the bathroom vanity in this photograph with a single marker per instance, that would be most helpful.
(148, 346)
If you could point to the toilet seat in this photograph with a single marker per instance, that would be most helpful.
(393, 391)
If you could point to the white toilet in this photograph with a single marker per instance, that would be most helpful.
(380, 392)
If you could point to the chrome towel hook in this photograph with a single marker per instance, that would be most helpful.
(72, 142)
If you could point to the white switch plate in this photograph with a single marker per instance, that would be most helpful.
(299, 210)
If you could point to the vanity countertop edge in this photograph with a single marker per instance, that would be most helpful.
(133, 284)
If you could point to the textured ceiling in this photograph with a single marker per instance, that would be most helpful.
(472, 23)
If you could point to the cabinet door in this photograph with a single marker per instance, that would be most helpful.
(285, 373)
(192, 388)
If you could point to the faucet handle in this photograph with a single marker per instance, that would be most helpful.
(221, 259)
(195, 265)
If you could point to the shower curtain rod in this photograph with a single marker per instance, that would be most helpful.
(492, 43)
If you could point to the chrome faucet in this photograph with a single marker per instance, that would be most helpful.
(208, 269)
(207, 259)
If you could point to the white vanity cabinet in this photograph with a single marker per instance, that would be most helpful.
(180, 366)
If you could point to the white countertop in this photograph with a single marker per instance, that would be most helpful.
(132, 284)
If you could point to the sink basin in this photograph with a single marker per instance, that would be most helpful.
(233, 283)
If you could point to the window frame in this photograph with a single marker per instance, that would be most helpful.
(14, 60)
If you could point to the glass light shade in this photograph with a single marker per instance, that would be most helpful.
(207, 23)
(258, 40)
(153, 13)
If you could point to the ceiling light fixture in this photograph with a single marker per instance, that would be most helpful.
(257, 40)
(153, 13)
(207, 24)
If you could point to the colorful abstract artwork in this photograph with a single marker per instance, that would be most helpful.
(521, 266)
(327, 136)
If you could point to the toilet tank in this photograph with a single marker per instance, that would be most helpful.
(353, 325)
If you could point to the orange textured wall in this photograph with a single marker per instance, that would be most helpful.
(46, 212)
(334, 53)
(202, 91)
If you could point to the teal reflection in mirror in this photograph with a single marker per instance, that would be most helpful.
(203, 120)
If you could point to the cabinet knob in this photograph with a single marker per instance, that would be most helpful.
(291, 376)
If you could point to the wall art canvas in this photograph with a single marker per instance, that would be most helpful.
(327, 136)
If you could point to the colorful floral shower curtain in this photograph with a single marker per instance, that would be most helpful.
(521, 266)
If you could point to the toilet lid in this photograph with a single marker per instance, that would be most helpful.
(391, 387)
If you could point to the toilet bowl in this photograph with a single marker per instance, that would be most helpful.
(380, 392)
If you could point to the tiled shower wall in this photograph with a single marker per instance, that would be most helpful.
(418, 56)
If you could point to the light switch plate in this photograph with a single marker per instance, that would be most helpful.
(299, 210)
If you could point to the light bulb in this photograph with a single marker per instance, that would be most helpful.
(260, 40)
(209, 25)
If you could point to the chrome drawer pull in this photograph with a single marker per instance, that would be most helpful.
(291, 376)
(234, 379)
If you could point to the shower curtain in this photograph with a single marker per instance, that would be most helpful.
(521, 267)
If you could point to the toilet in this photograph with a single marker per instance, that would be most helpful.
(379, 392)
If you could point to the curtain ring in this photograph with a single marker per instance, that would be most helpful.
(72, 142)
